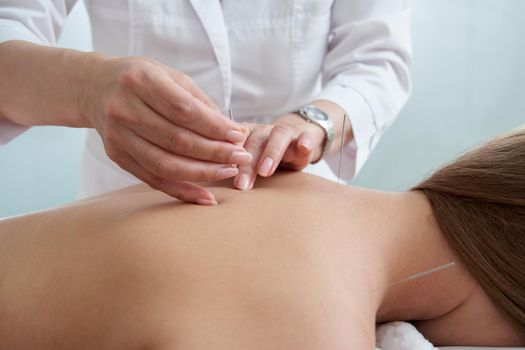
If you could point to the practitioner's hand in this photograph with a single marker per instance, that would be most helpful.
(290, 143)
(158, 125)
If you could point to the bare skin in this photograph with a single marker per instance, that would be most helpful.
(294, 264)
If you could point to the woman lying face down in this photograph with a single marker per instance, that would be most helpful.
(297, 263)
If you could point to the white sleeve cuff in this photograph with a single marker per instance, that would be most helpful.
(15, 31)
(9, 130)
(365, 131)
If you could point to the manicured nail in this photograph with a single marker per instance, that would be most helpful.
(241, 157)
(202, 201)
(234, 136)
(244, 182)
(266, 167)
(225, 173)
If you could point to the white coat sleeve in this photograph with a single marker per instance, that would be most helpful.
(366, 71)
(36, 21)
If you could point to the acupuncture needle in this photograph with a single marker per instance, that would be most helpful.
(230, 114)
(411, 277)
(425, 273)
(428, 272)
(420, 275)
(341, 151)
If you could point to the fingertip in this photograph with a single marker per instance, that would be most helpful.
(206, 202)
(266, 167)
(306, 145)
(191, 193)
(245, 134)
(226, 172)
(241, 157)
(304, 141)
(304, 148)
(235, 137)
(245, 130)
(243, 182)
(241, 134)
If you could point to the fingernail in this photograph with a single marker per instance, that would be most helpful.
(203, 201)
(234, 136)
(266, 167)
(241, 157)
(225, 173)
(244, 182)
(306, 144)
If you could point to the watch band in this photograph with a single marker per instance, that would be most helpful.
(315, 115)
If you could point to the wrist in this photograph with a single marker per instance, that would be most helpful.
(86, 69)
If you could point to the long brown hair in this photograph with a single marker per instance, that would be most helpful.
(479, 203)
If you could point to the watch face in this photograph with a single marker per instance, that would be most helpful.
(317, 114)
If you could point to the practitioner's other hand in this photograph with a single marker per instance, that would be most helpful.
(290, 143)
(159, 126)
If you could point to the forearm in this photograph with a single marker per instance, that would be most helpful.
(42, 85)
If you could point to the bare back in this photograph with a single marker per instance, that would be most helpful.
(252, 263)
(296, 263)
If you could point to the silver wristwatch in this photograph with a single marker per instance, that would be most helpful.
(314, 115)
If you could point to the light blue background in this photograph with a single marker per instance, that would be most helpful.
(469, 84)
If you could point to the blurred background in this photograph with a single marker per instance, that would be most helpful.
(469, 85)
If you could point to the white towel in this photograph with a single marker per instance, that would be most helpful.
(401, 336)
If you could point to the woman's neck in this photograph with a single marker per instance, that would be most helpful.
(411, 244)
(451, 307)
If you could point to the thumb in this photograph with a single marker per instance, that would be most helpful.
(300, 153)
(305, 143)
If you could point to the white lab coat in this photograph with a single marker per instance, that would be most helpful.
(259, 58)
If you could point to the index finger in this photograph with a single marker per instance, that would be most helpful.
(189, 85)
(180, 107)
(185, 82)
(278, 142)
